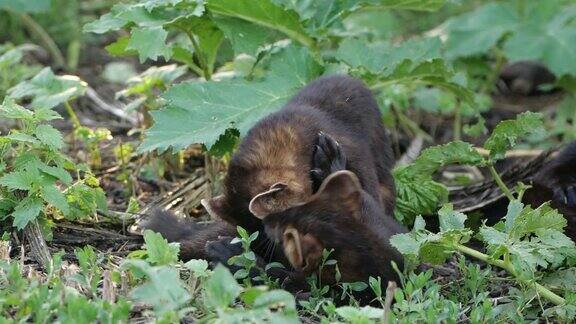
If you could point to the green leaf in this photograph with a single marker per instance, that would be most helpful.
(450, 219)
(58, 172)
(492, 236)
(478, 31)
(417, 196)
(433, 158)
(245, 37)
(207, 35)
(553, 43)
(105, 23)
(164, 290)
(54, 197)
(26, 6)
(199, 112)
(9, 109)
(221, 289)
(160, 252)
(423, 5)
(530, 220)
(198, 267)
(406, 244)
(150, 43)
(49, 136)
(508, 132)
(383, 57)
(27, 210)
(514, 209)
(120, 47)
(18, 180)
(276, 299)
(49, 90)
(263, 13)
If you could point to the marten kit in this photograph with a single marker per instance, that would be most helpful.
(316, 175)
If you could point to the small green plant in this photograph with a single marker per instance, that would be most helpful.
(35, 178)
(247, 261)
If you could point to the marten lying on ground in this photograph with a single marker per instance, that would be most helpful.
(332, 123)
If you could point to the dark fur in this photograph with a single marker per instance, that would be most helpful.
(339, 106)
(556, 182)
(525, 78)
(361, 243)
(283, 147)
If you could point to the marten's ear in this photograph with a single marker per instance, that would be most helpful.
(304, 252)
(267, 202)
(343, 189)
(215, 206)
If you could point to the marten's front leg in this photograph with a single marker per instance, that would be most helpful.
(328, 158)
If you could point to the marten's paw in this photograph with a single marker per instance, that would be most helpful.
(222, 250)
(328, 158)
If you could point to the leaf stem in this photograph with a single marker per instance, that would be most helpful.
(545, 292)
(45, 38)
(457, 123)
(500, 183)
(72, 114)
(201, 58)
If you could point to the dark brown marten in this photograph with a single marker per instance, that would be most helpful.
(340, 216)
(282, 160)
(525, 78)
(333, 123)
(270, 172)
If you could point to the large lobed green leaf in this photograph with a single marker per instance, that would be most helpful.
(264, 13)
(199, 112)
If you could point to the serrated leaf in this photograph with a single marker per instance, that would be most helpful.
(514, 209)
(433, 158)
(160, 252)
(49, 136)
(244, 36)
(54, 197)
(21, 137)
(150, 43)
(105, 23)
(417, 197)
(263, 13)
(492, 236)
(49, 90)
(530, 220)
(18, 180)
(58, 172)
(199, 112)
(406, 244)
(9, 109)
(221, 289)
(27, 210)
(553, 43)
(478, 31)
(207, 35)
(450, 219)
(384, 58)
(508, 132)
